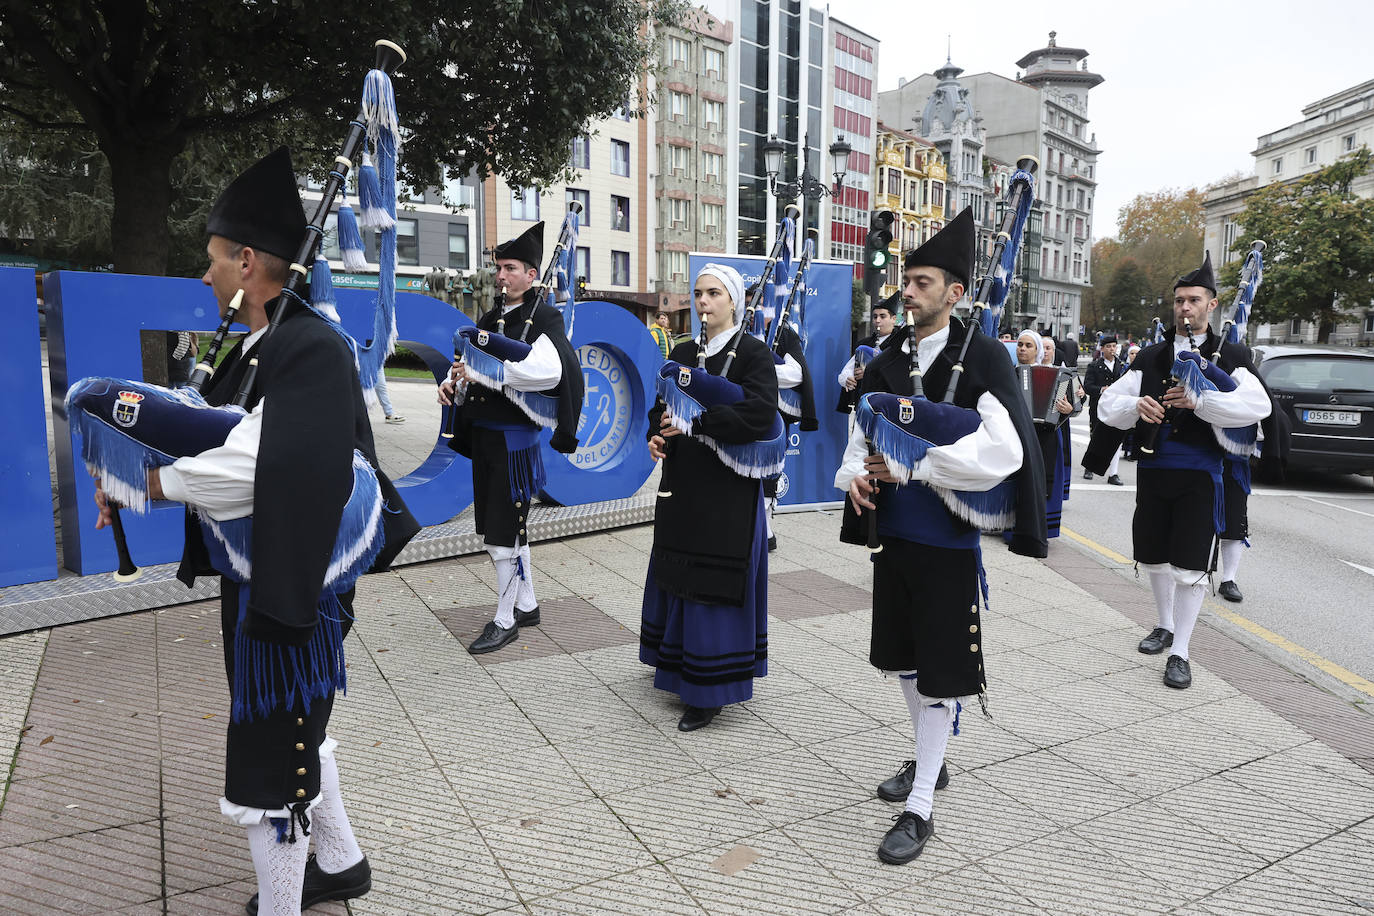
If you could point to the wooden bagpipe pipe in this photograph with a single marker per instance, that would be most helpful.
(128, 428)
(789, 399)
(688, 392)
(485, 353)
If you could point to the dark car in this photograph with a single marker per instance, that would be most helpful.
(1327, 394)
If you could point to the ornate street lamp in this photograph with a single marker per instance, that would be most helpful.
(807, 185)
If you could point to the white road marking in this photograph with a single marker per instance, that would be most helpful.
(1334, 506)
(1363, 569)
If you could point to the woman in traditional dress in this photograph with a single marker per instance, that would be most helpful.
(704, 624)
(1030, 352)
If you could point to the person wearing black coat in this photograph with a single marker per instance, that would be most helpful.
(1102, 372)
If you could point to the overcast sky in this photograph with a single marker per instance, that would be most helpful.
(1189, 86)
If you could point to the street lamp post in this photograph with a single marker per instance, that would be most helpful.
(807, 185)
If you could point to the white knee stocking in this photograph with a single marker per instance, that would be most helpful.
(336, 848)
(930, 721)
(524, 597)
(505, 559)
(1162, 587)
(280, 868)
(1190, 588)
(1230, 559)
(1115, 467)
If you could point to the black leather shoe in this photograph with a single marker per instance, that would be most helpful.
(696, 717)
(906, 838)
(1177, 673)
(1158, 640)
(320, 886)
(493, 637)
(899, 786)
(1116, 481)
(1087, 475)
(772, 543)
(527, 618)
(1230, 591)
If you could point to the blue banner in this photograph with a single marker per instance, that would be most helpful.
(812, 458)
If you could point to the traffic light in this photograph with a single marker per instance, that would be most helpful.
(876, 254)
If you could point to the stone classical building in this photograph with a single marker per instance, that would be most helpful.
(693, 154)
(1043, 112)
(1331, 127)
(909, 180)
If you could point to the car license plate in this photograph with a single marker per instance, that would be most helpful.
(1331, 417)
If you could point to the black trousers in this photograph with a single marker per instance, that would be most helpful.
(1237, 509)
(1174, 517)
(498, 518)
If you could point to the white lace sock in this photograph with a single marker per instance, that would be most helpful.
(771, 504)
(1189, 590)
(280, 868)
(1162, 587)
(524, 596)
(930, 721)
(1230, 559)
(336, 848)
(507, 583)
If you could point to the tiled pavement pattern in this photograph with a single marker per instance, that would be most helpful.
(549, 778)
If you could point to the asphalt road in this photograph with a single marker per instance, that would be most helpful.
(1309, 573)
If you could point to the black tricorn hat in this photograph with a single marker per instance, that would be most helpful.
(528, 246)
(892, 303)
(1203, 276)
(262, 208)
(950, 249)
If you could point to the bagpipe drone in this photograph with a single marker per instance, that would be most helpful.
(128, 428)
(793, 313)
(688, 392)
(903, 428)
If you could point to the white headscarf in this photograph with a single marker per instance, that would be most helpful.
(1039, 347)
(734, 285)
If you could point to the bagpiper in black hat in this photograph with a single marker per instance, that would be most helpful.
(893, 303)
(262, 208)
(528, 246)
(950, 249)
(1203, 276)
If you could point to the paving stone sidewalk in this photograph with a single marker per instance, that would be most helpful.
(549, 778)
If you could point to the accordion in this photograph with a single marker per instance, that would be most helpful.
(1040, 387)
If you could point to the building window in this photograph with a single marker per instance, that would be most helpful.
(524, 204)
(677, 265)
(620, 158)
(712, 165)
(584, 263)
(1295, 327)
(582, 153)
(1080, 198)
(1348, 143)
(679, 52)
(1077, 264)
(713, 114)
(407, 241)
(620, 213)
(677, 160)
(582, 197)
(1369, 322)
(711, 216)
(713, 62)
(677, 213)
(678, 105)
(329, 245)
(620, 268)
(1310, 154)
(458, 245)
(1278, 166)
(1078, 227)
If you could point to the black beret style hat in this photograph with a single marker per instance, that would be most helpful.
(949, 249)
(1203, 276)
(528, 246)
(262, 208)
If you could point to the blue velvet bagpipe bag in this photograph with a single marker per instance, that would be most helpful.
(689, 392)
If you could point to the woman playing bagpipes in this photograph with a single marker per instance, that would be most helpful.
(704, 621)
(933, 476)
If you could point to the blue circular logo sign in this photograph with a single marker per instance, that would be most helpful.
(605, 424)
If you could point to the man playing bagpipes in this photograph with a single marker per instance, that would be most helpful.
(979, 467)
(1188, 414)
(884, 320)
(301, 463)
(704, 619)
(520, 375)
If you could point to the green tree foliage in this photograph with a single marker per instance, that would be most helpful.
(1131, 298)
(132, 114)
(1320, 259)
